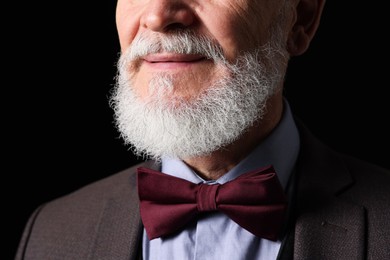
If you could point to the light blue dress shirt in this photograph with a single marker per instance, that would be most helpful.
(216, 236)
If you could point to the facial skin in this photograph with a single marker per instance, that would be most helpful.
(237, 27)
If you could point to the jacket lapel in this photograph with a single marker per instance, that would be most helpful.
(334, 232)
(326, 225)
(119, 234)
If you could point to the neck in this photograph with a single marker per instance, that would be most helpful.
(215, 165)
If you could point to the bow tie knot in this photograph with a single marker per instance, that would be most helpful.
(254, 200)
(206, 197)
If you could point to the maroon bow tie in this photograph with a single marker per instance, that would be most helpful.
(254, 200)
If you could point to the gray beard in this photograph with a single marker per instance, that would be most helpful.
(163, 127)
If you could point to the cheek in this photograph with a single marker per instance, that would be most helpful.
(235, 32)
(127, 23)
(228, 38)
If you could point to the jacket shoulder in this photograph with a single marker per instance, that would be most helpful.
(69, 226)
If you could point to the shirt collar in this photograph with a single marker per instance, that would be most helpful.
(279, 149)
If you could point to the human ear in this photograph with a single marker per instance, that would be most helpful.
(308, 15)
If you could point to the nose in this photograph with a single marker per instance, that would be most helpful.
(165, 15)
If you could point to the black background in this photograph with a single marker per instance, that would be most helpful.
(59, 60)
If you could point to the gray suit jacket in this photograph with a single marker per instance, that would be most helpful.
(341, 211)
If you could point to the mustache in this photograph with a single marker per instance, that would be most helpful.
(182, 42)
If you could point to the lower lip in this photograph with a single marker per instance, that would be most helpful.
(174, 64)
